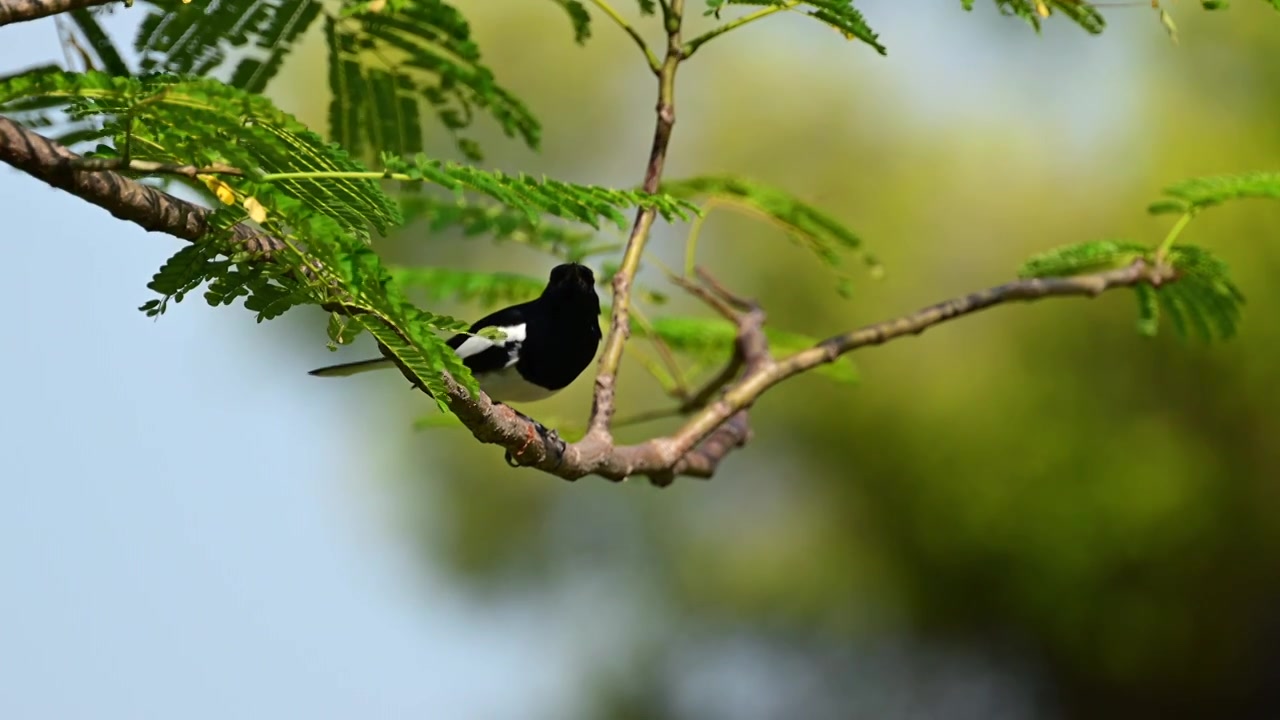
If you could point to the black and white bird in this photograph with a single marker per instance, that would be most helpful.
(546, 343)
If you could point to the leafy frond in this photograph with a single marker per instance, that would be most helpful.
(1198, 193)
(99, 43)
(827, 238)
(1201, 301)
(1086, 257)
(1085, 14)
(389, 57)
(840, 15)
(183, 37)
(485, 288)
(536, 197)
(578, 17)
(322, 226)
(712, 339)
(173, 119)
(501, 223)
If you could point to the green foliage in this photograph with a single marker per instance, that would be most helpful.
(200, 38)
(1087, 257)
(712, 339)
(536, 197)
(107, 56)
(805, 225)
(1085, 14)
(201, 121)
(1198, 193)
(838, 14)
(487, 289)
(501, 223)
(1202, 301)
(387, 58)
(579, 17)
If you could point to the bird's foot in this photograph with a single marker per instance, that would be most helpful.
(550, 439)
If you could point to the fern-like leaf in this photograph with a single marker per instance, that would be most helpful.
(1198, 193)
(387, 58)
(827, 238)
(101, 44)
(578, 17)
(1086, 257)
(501, 223)
(536, 197)
(485, 288)
(1201, 301)
(183, 37)
(172, 119)
(838, 14)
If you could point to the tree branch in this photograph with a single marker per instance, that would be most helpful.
(603, 405)
(697, 448)
(124, 198)
(753, 384)
(12, 11)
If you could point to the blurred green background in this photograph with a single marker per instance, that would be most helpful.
(1033, 512)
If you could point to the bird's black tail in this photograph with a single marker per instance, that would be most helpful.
(352, 368)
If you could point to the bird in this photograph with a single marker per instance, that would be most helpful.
(545, 343)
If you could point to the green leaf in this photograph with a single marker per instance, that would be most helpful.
(535, 197)
(838, 14)
(1201, 301)
(501, 223)
(201, 121)
(579, 17)
(1203, 192)
(712, 339)
(387, 59)
(199, 38)
(1086, 257)
(108, 57)
(827, 238)
(487, 289)
(1085, 14)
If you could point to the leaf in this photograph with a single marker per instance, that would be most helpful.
(805, 225)
(487, 289)
(1086, 257)
(385, 64)
(579, 17)
(712, 339)
(1198, 193)
(96, 38)
(838, 14)
(200, 121)
(1202, 301)
(200, 38)
(1084, 14)
(535, 197)
(503, 224)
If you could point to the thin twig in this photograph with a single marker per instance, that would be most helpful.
(668, 358)
(754, 384)
(654, 64)
(150, 167)
(716, 32)
(606, 378)
(12, 11)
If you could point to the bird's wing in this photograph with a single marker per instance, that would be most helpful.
(480, 354)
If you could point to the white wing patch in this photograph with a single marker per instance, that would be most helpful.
(476, 344)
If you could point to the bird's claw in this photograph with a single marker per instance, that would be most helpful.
(550, 438)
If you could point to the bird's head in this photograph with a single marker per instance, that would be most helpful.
(574, 283)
